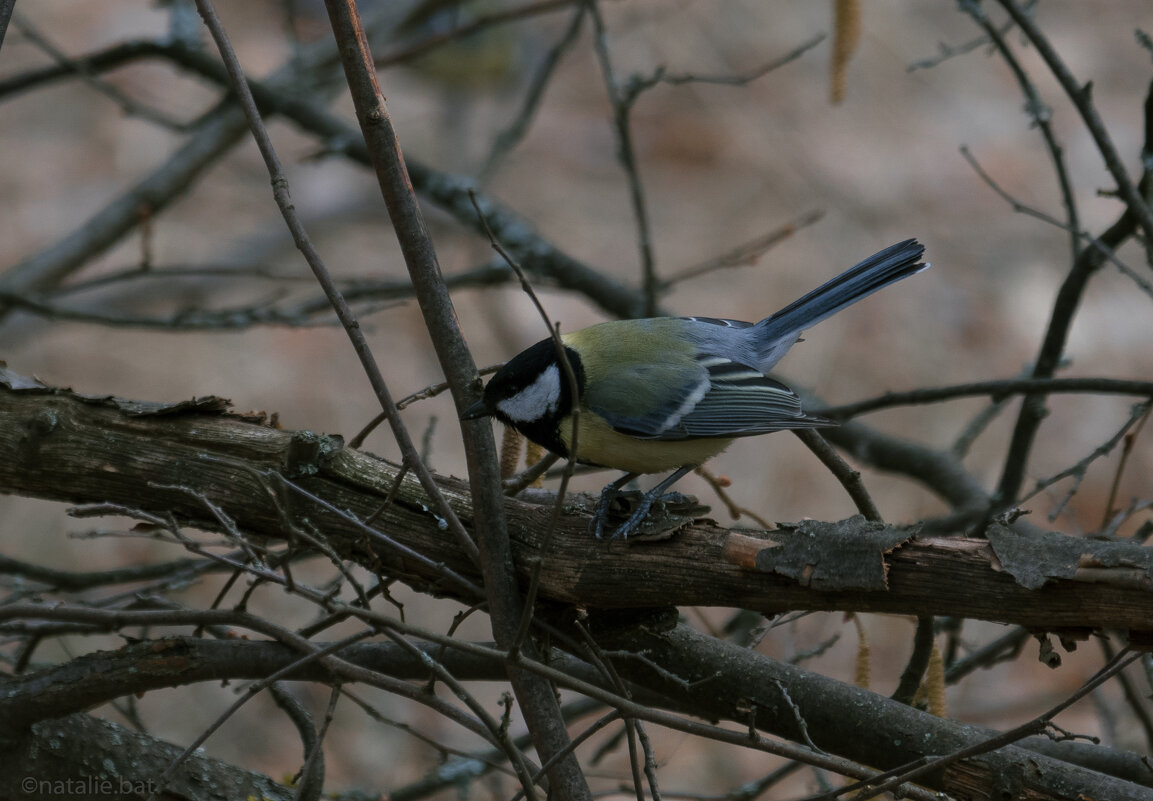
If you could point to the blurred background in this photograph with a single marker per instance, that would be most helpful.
(720, 165)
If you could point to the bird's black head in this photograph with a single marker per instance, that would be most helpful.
(531, 393)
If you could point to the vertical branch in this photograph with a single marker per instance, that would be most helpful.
(914, 671)
(537, 698)
(622, 99)
(1060, 321)
(1042, 118)
(304, 243)
(6, 9)
(1080, 95)
(1065, 306)
(508, 138)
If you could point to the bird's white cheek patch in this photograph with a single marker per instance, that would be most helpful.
(537, 400)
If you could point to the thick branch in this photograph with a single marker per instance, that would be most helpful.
(60, 446)
(86, 759)
(725, 672)
(537, 698)
(878, 731)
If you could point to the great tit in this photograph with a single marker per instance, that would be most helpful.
(670, 393)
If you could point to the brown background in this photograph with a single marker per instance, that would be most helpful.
(720, 165)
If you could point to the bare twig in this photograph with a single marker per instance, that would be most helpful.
(508, 138)
(570, 465)
(1126, 452)
(746, 253)
(311, 782)
(721, 483)
(1041, 115)
(850, 479)
(977, 426)
(1061, 320)
(997, 390)
(918, 663)
(1077, 471)
(1001, 649)
(250, 315)
(1036, 726)
(481, 23)
(430, 391)
(6, 8)
(1133, 695)
(537, 698)
(1079, 94)
(130, 106)
(324, 278)
(312, 772)
(947, 51)
(1107, 250)
(214, 134)
(738, 79)
(529, 476)
(621, 98)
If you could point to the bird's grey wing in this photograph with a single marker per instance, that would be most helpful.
(645, 400)
(740, 401)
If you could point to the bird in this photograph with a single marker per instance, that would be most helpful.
(669, 393)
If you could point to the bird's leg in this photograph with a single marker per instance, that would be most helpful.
(646, 501)
(607, 494)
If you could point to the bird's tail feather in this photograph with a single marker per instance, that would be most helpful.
(876, 272)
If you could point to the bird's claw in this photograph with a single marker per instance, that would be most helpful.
(636, 518)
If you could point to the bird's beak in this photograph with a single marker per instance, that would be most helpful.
(476, 411)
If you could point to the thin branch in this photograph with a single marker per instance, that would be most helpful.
(621, 99)
(1080, 96)
(253, 690)
(298, 714)
(343, 312)
(977, 426)
(849, 478)
(530, 595)
(1041, 115)
(1037, 725)
(918, 663)
(996, 389)
(510, 136)
(481, 23)
(1078, 470)
(947, 51)
(1133, 697)
(1107, 250)
(719, 485)
(537, 698)
(311, 780)
(1126, 452)
(264, 313)
(1060, 322)
(498, 730)
(66, 580)
(743, 78)
(6, 9)
(129, 106)
(514, 485)
(430, 391)
(214, 134)
(746, 253)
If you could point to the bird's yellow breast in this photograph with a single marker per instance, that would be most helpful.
(597, 443)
